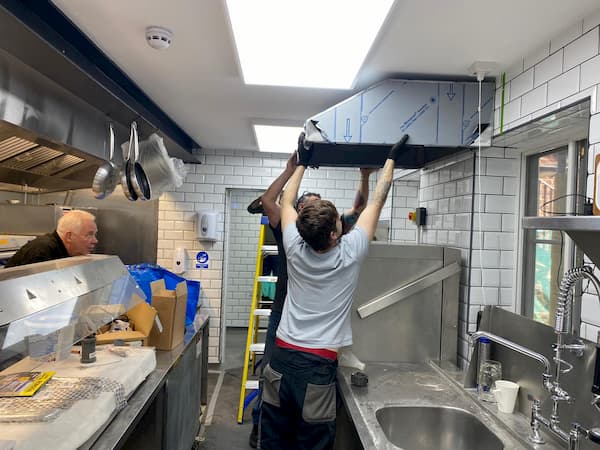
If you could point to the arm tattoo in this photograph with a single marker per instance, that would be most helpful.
(381, 192)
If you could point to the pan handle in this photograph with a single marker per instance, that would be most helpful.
(136, 142)
(111, 142)
(133, 141)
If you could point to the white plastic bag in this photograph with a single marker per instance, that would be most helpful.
(179, 173)
(164, 173)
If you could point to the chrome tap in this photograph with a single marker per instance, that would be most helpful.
(565, 298)
(562, 322)
(546, 376)
(556, 392)
(551, 382)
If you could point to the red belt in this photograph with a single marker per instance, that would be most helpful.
(322, 352)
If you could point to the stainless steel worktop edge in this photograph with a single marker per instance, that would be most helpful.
(118, 429)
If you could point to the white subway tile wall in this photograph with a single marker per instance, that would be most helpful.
(404, 198)
(205, 189)
(447, 193)
(242, 240)
(570, 72)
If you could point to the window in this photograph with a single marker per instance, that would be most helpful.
(548, 194)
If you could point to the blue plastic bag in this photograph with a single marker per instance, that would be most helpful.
(145, 273)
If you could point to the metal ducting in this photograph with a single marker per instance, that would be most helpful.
(440, 117)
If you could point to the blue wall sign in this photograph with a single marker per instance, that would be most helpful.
(202, 260)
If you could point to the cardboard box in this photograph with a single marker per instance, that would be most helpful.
(141, 317)
(170, 306)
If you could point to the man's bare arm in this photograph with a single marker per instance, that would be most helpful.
(370, 216)
(360, 200)
(288, 212)
(269, 198)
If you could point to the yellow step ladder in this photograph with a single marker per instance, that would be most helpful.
(253, 347)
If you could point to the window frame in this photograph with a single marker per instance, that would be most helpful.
(570, 254)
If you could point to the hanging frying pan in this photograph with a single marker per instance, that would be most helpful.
(128, 189)
(137, 176)
(107, 175)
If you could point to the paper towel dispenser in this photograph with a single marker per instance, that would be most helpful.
(206, 226)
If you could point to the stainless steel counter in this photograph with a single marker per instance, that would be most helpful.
(118, 430)
(424, 385)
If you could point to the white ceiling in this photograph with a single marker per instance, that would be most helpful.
(198, 83)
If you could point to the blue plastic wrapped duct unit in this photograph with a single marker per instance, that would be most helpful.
(145, 273)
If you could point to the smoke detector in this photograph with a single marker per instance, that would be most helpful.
(159, 38)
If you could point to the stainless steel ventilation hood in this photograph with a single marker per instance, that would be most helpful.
(53, 116)
(49, 139)
(440, 117)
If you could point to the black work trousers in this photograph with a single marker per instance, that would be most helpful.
(299, 401)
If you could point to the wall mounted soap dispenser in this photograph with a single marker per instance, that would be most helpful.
(180, 260)
(206, 226)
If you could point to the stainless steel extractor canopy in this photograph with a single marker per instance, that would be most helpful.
(440, 117)
(54, 116)
(39, 165)
(50, 140)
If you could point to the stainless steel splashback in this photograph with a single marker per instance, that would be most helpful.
(418, 328)
(528, 373)
(28, 219)
(130, 233)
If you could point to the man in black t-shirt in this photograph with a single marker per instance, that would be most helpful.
(75, 235)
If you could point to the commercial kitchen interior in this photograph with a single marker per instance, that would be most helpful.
(535, 64)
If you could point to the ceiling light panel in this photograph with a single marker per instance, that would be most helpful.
(277, 139)
(309, 43)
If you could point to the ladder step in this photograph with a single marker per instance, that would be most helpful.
(266, 279)
(269, 250)
(257, 348)
(252, 384)
(262, 312)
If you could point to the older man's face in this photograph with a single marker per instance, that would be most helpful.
(85, 241)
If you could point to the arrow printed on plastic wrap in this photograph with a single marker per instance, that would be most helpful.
(451, 94)
(347, 136)
(364, 119)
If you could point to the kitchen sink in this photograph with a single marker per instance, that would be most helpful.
(434, 427)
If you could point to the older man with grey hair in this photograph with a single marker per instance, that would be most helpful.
(75, 235)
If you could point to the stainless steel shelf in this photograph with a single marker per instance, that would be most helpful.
(584, 230)
(565, 223)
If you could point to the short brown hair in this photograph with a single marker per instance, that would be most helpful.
(315, 222)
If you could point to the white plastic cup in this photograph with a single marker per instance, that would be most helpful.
(506, 395)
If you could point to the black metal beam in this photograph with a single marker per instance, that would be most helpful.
(54, 28)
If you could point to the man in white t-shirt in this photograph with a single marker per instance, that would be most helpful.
(299, 396)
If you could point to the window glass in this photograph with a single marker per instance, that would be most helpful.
(547, 197)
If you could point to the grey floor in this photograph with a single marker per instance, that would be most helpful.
(220, 430)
